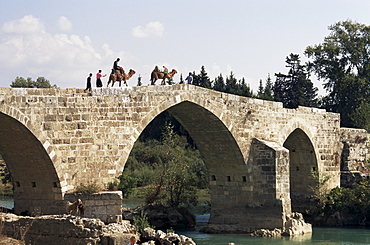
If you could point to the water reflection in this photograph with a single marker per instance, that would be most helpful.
(301, 238)
(6, 202)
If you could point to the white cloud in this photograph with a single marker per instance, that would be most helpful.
(108, 51)
(28, 50)
(64, 24)
(151, 29)
(28, 24)
(215, 71)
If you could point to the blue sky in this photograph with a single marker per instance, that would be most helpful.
(64, 41)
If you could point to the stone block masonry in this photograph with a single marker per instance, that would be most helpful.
(106, 206)
(55, 139)
(66, 230)
(355, 158)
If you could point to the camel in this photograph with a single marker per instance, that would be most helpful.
(161, 75)
(73, 206)
(118, 77)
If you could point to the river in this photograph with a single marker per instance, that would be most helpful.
(322, 236)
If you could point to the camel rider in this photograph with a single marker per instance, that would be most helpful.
(116, 67)
(165, 70)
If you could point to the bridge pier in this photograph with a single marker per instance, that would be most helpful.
(259, 199)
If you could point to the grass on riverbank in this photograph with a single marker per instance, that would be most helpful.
(7, 188)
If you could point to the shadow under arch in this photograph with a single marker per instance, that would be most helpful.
(248, 192)
(215, 142)
(302, 161)
(35, 181)
(221, 154)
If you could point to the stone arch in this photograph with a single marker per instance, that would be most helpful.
(229, 176)
(293, 125)
(215, 142)
(201, 123)
(35, 180)
(302, 161)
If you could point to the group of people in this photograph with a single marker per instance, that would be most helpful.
(99, 83)
(99, 75)
(164, 70)
(188, 79)
(116, 67)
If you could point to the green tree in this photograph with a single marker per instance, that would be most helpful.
(342, 61)
(40, 82)
(6, 178)
(204, 80)
(21, 82)
(170, 168)
(219, 84)
(175, 184)
(353, 202)
(267, 93)
(141, 222)
(231, 84)
(279, 89)
(261, 90)
(243, 88)
(361, 116)
(127, 183)
(295, 88)
(196, 79)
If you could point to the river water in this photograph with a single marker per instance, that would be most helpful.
(322, 236)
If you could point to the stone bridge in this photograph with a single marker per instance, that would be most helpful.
(259, 154)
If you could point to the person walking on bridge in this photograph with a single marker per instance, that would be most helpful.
(189, 78)
(88, 83)
(99, 83)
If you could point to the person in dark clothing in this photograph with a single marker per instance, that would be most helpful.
(82, 209)
(117, 67)
(88, 84)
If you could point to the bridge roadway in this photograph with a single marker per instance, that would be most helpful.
(259, 154)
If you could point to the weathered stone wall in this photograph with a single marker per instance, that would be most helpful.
(355, 156)
(66, 230)
(55, 139)
(106, 206)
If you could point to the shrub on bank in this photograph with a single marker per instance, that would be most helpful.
(343, 206)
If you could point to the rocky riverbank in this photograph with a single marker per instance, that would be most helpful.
(294, 224)
(152, 236)
(65, 230)
(71, 230)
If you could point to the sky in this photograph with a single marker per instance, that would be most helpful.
(64, 41)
